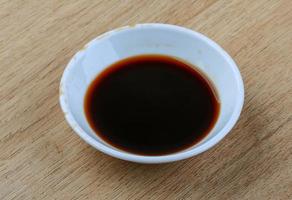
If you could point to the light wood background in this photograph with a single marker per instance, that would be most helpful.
(41, 157)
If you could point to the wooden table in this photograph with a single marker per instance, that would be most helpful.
(41, 157)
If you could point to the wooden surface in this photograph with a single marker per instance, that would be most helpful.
(41, 157)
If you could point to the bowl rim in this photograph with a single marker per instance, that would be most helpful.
(163, 158)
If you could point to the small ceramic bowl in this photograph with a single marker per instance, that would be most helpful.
(162, 39)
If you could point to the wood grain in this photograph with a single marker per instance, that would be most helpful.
(41, 157)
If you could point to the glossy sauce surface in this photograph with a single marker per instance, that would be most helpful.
(151, 105)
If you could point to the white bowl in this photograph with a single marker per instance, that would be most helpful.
(163, 39)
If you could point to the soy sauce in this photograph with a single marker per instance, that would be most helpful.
(151, 105)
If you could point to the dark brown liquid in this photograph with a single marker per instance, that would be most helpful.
(151, 105)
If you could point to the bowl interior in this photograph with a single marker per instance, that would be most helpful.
(166, 40)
